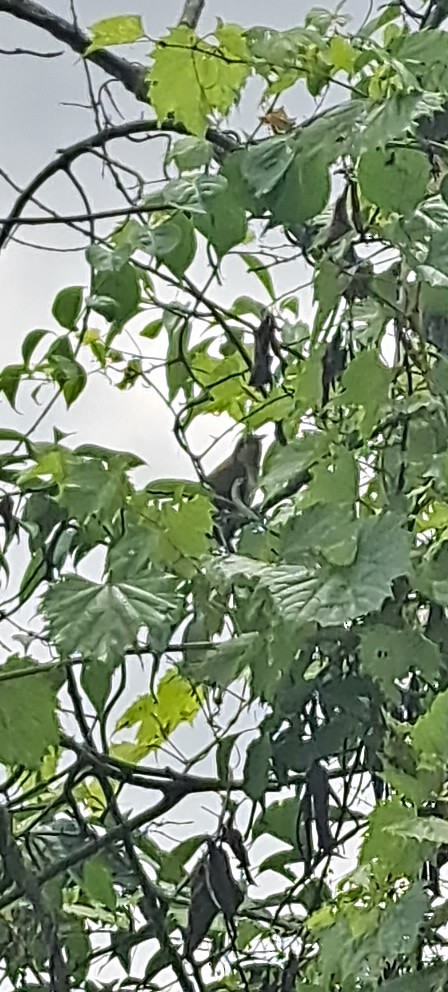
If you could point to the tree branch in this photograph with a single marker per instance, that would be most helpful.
(97, 140)
(192, 12)
(130, 74)
(435, 14)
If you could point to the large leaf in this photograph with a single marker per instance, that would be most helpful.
(287, 466)
(28, 722)
(224, 223)
(395, 180)
(102, 621)
(388, 653)
(67, 307)
(366, 383)
(226, 661)
(174, 243)
(265, 164)
(302, 192)
(190, 78)
(280, 820)
(429, 732)
(401, 922)
(116, 294)
(384, 847)
(97, 882)
(325, 528)
(329, 594)
(92, 487)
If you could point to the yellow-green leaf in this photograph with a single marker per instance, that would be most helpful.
(342, 53)
(191, 78)
(158, 715)
(122, 30)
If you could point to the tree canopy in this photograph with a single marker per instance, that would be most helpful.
(224, 734)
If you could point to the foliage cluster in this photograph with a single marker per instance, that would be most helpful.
(324, 616)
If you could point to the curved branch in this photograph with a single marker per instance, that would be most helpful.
(130, 74)
(97, 140)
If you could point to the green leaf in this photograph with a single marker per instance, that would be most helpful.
(36, 572)
(184, 529)
(366, 383)
(97, 883)
(159, 714)
(159, 961)
(280, 820)
(152, 330)
(328, 285)
(172, 864)
(222, 382)
(278, 862)
(227, 660)
(10, 377)
(327, 529)
(121, 292)
(394, 117)
(96, 680)
(191, 153)
(223, 755)
(67, 306)
(175, 243)
(388, 653)
(91, 486)
(102, 621)
(425, 830)
(121, 30)
(77, 946)
(335, 479)
(288, 466)
(190, 78)
(429, 732)
(256, 769)
(266, 163)
(303, 191)
(328, 594)
(224, 224)
(28, 722)
(401, 921)
(384, 847)
(426, 56)
(30, 343)
(258, 268)
(395, 180)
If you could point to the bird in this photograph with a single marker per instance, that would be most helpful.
(233, 484)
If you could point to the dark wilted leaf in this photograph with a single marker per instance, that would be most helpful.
(261, 370)
(202, 910)
(288, 982)
(318, 787)
(8, 518)
(333, 365)
(233, 838)
(222, 884)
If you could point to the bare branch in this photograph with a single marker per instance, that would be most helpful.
(192, 12)
(130, 74)
(82, 218)
(97, 140)
(29, 51)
